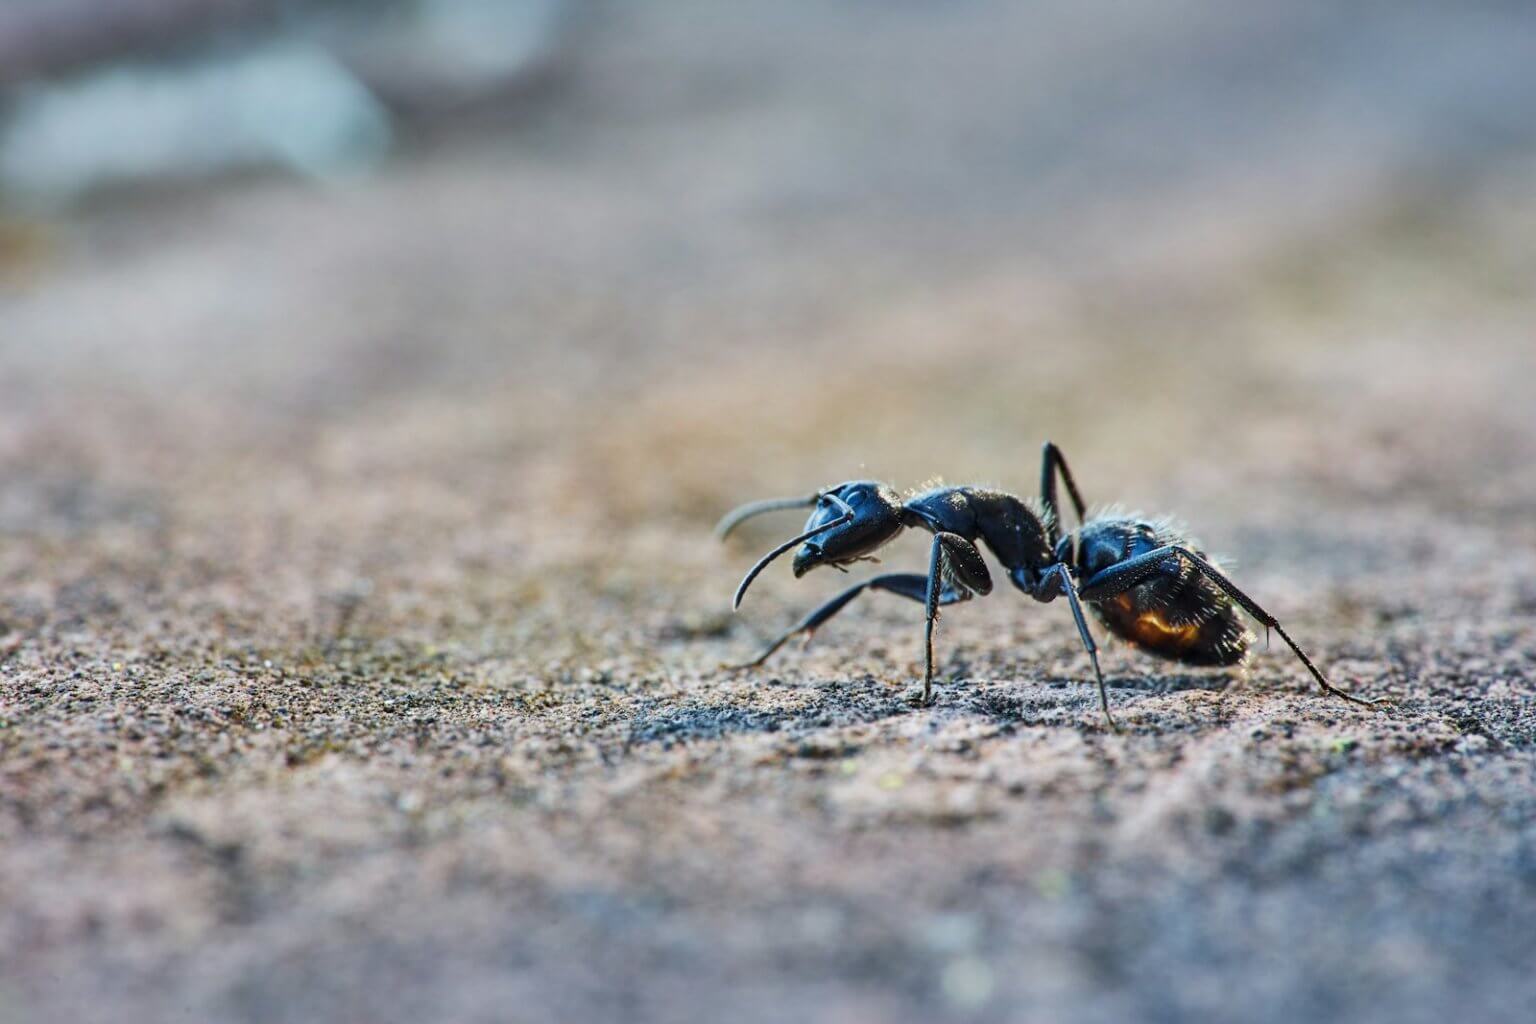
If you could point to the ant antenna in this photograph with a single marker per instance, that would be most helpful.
(846, 517)
(742, 513)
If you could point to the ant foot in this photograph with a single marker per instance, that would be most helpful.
(919, 697)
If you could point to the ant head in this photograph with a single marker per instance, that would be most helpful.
(851, 521)
(848, 523)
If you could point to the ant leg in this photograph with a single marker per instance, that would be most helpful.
(911, 585)
(1122, 577)
(951, 556)
(1051, 463)
(1070, 590)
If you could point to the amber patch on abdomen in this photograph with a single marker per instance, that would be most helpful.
(1217, 640)
(1149, 629)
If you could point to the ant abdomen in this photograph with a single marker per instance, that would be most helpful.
(1177, 613)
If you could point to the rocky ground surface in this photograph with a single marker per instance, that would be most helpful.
(360, 624)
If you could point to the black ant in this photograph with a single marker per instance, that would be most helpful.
(1144, 580)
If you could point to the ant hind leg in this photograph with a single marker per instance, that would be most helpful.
(1053, 462)
(1122, 577)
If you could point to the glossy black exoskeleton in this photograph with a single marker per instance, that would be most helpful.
(1144, 581)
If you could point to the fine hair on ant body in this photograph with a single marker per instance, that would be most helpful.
(1143, 579)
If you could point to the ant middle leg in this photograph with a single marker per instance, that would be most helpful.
(1117, 579)
(1071, 590)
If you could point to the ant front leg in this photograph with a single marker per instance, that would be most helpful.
(911, 585)
(954, 557)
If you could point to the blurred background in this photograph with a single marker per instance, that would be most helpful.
(372, 372)
(971, 227)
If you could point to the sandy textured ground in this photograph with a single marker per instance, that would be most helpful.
(360, 622)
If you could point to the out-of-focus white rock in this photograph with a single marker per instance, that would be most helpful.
(314, 94)
(280, 103)
(435, 52)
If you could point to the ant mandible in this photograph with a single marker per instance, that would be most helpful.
(1145, 581)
